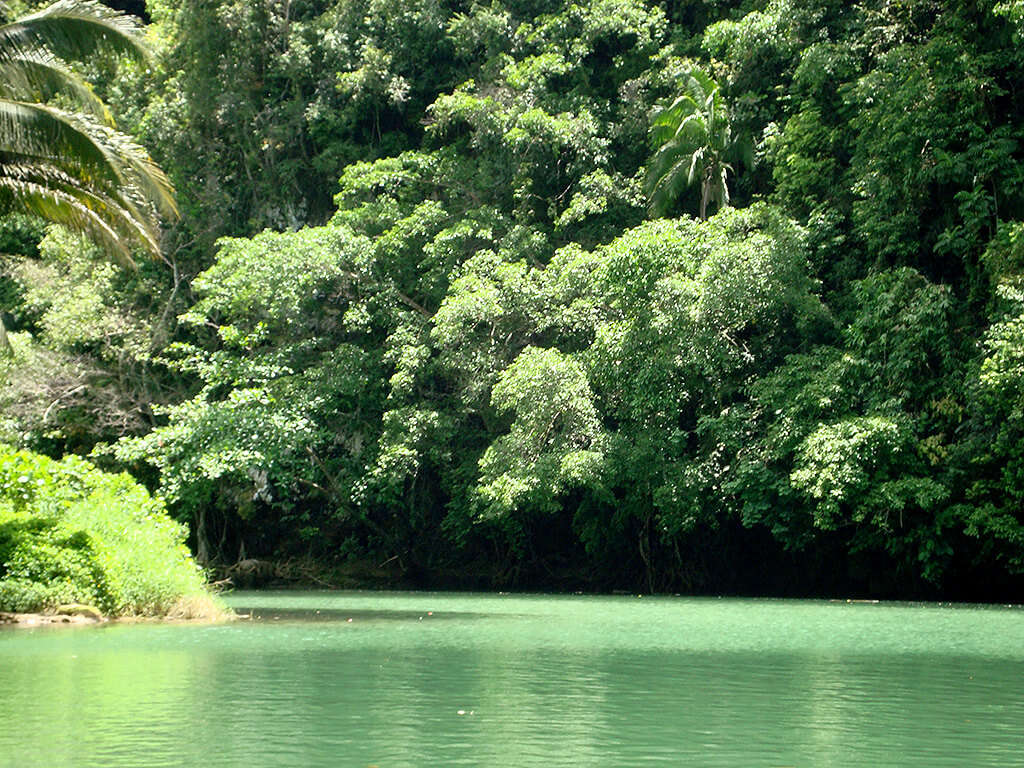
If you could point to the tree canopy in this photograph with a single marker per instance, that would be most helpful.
(493, 294)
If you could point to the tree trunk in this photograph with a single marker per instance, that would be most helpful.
(705, 195)
(6, 349)
(202, 543)
(644, 541)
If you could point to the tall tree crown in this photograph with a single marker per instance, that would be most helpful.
(693, 139)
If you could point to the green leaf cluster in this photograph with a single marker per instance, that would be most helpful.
(70, 533)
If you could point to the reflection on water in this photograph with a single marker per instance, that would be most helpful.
(490, 680)
(275, 612)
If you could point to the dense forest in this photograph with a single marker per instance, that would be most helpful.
(714, 296)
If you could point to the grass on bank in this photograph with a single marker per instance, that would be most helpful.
(71, 533)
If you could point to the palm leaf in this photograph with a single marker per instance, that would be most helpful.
(81, 174)
(695, 164)
(107, 215)
(666, 181)
(699, 86)
(39, 76)
(74, 29)
(38, 130)
(70, 167)
(141, 171)
(97, 153)
(693, 130)
(80, 210)
(51, 175)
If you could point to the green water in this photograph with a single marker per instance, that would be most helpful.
(385, 679)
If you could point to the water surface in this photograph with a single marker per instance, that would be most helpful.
(403, 679)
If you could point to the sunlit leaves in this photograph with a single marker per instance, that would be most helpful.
(275, 279)
(70, 533)
(556, 441)
(693, 143)
(72, 167)
(836, 464)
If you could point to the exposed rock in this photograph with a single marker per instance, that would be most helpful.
(252, 573)
(77, 609)
(49, 619)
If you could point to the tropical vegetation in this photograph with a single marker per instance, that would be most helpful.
(602, 294)
(71, 534)
(61, 158)
(693, 137)
(64, 161)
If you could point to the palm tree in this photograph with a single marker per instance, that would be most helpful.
(73, 167)
(70, 165)
(693, 139)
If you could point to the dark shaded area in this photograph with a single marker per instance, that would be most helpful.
(131, 7)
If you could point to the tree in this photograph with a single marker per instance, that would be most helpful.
(73, 167)
(693, 139)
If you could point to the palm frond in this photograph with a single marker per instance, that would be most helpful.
(74, 168)
(96, 153)
(692, 129)
(74, 29)
(666, 181)
(39, 130)
(99, 218)
(118, 214)
(87, 176)
(39, 76)
(33, 171)
(695, 163)
(141, 171)
(697, 86)
(669, 189)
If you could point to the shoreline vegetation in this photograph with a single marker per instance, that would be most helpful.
(712, 298)
(305, 574)
(81, 543)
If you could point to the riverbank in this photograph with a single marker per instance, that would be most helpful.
(778, 575)
(205, 610)
(79, 541)
(47, 619)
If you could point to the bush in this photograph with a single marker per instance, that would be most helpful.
(70, 533)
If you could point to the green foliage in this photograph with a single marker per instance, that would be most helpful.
(910, 145)
(485, 362)
(81, 368)
(996, 461)
(273, 382)
(856, 437)
(696, 309)
(563, 106)
(556, 441)
(257, 108)
(70, 533)
(1012, 10)
(693, 138)
(63, 160)
(844, 465)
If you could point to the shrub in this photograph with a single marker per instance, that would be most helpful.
(71, 533)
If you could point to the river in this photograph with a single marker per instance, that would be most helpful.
(433, 679)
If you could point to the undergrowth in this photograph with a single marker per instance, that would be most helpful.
(71, 533)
